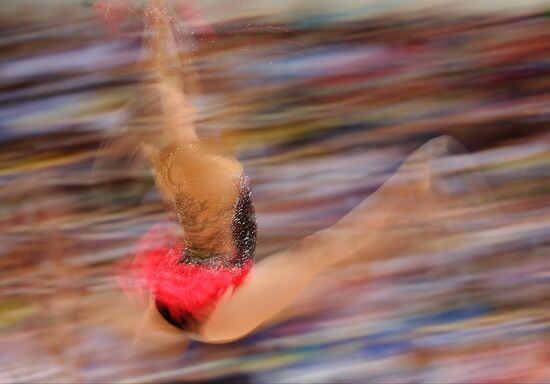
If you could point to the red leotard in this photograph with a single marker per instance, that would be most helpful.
(185, 287)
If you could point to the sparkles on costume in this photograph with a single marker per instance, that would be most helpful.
(186, 282)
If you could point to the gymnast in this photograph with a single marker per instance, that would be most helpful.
(201, 281)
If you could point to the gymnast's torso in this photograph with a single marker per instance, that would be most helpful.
(188, 271)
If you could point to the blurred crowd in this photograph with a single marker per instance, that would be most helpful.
(321, 112)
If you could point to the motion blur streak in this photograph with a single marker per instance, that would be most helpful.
(322, 103)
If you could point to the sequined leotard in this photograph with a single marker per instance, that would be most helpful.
(186, 281)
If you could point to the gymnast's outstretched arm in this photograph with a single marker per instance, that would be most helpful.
(164, 84)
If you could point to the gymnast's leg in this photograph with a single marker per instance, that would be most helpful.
(277, 280)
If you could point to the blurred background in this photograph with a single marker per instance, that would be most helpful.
(321, 101)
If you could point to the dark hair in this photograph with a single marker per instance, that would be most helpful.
(245, 227)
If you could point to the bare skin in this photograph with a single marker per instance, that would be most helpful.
(204, 173)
